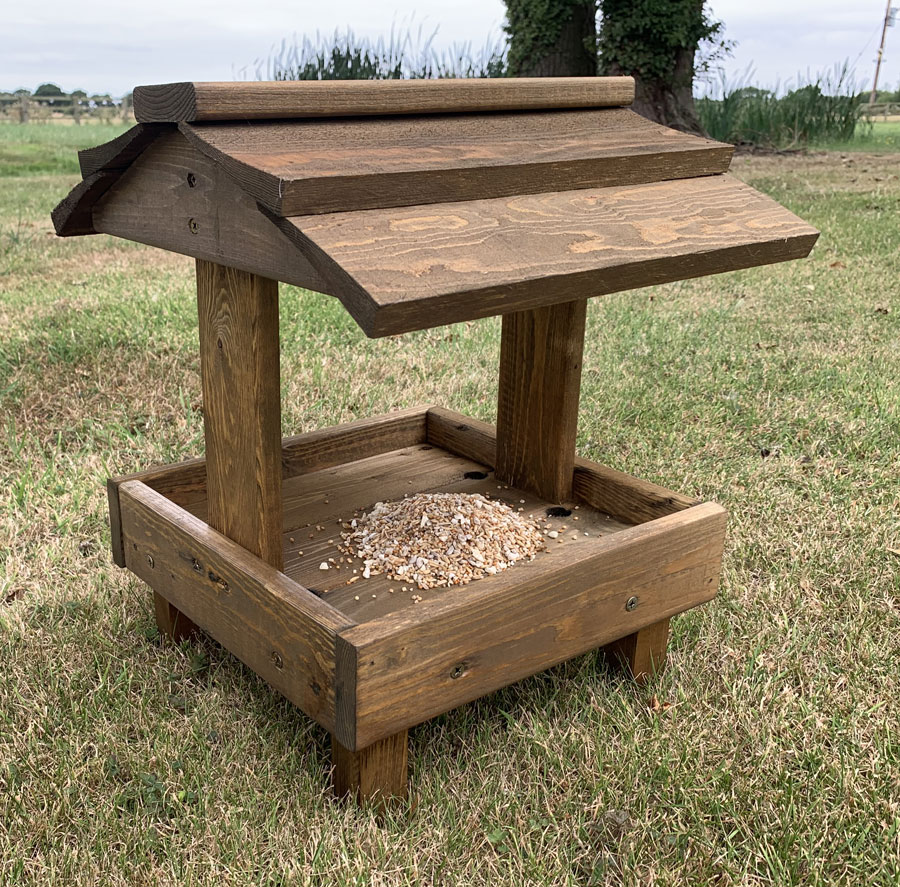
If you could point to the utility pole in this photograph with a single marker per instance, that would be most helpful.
(888, 21)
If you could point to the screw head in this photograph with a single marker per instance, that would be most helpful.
(276, 658)
(191, 180)
(631, 603)
(150, 560)
(458, 670)
(194, 225)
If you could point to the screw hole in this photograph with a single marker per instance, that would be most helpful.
(191, 180)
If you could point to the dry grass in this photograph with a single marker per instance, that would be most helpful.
(769, 753)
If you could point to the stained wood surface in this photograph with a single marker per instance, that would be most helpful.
(374, 776)
(643, 653)
(408, 268)
(174, 197)
(537, 412)
(456, 647)
(171, 622)
(279, 629)
(296, 168)
(626, 498)
(119, 153)
(174, 102)
(73, 215)
(240, 374)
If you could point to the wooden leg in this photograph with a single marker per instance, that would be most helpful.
(537, 409)
(239, 367)
(643, 653)
(373, 776)
(171, 622)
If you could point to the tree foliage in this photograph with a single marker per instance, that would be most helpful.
(551, 37)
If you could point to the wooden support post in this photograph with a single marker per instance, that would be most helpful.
(643, 653)
(239, 365)
(374, 776)
(537, 411)
(171, 622)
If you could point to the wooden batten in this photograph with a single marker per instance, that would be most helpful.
(176, 102)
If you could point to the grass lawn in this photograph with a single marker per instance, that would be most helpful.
(769, 751)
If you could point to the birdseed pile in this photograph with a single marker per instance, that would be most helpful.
(441, 539)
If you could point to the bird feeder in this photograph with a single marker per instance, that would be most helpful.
(415, 203)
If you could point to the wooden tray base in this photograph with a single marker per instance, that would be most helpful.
(368, 663)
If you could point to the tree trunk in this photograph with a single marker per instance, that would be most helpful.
(669, 101)
(552, 39)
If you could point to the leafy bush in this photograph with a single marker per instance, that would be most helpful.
(825, 109)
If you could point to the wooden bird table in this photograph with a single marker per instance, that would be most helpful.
(415, 203)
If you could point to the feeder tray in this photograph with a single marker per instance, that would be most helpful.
(416, 204)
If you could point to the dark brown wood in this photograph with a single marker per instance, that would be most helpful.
(376, 775)
(174, 197)
(171, 622)
(122, 151)
(537, 403)
(409, 268)
(239, 363)
(298, 168)
(74, 214)
(278, 628)
(185, 482)
(642, 653)
(620, 495)
(456, 647)
(245, 100)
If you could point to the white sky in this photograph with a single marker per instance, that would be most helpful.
(111, 46)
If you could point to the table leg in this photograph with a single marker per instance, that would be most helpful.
(642, 654)
(171, 622)
(373, 776)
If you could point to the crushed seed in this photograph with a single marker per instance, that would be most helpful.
(441, 539)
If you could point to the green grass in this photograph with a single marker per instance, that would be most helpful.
(881, 137)
(48, 148)
(768, 753)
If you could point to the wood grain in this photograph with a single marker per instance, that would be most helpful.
(298, 168)
(171, 622)
(626, 498)
(73, 215)
(279, 629)
(176, 198)
(409, 268)
(185, 482)
(240, 373)
(643, 653)
(537, 408)
(119, 153)
(175, 102)
(449, 650)
(375, 776)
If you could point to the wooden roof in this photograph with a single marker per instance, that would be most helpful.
(419, 203)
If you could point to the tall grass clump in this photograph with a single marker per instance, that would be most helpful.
(815, 111)
(405, 54)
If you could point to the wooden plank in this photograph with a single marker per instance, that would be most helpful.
(240, 374)
(409, 268)
(374, 776)
(185, 482)
(450, 650)
(626, 498)
(537, 411)
(175, 102)
(122, 151)
(279, 629)
(643, 653)
(176, 198)
(298, 168)
(73, 215)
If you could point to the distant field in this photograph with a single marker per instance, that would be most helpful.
(767, 754)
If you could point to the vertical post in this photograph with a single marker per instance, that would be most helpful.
(240, 373)
(537, 417)
(537, 410)
(373, 776)
(642, 654)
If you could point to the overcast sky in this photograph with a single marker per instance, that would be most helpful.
(110, 46)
